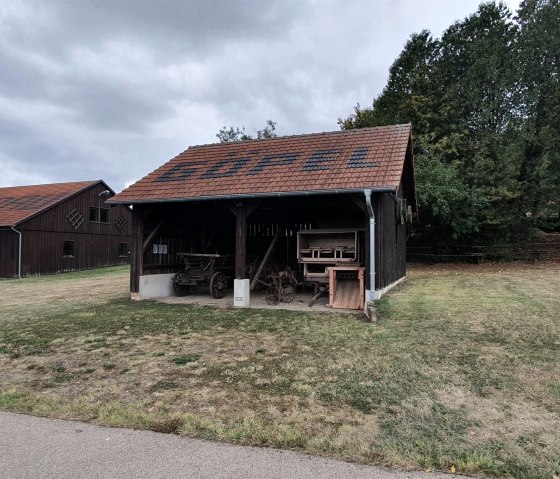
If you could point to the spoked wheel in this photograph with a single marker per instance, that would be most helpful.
(287, 295)
(218, 285)
(178, 284)
(272, 295)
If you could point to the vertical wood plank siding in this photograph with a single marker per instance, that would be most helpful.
(95, 244)
(391, 242)
(8, 253)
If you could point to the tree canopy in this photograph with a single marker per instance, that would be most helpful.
(484, 102)
(232, 134)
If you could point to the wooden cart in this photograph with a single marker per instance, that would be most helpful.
(280, 285)
(204, 271)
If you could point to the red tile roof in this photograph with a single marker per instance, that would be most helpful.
(18, 203)
(322, 162)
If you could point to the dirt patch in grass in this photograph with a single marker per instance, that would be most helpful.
(42, 294)
(461, 371)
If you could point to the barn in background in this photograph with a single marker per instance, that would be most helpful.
(61, 227)
(234, 198)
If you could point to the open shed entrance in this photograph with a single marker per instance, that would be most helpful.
(298, 236)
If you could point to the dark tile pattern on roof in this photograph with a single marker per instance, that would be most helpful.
(20, 202)
(347, 160)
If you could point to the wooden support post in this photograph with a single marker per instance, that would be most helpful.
(240, 241)
(137, 251)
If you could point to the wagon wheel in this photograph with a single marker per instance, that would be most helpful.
(180, 289)
(287, 295)
(218, 285)
(272, 295)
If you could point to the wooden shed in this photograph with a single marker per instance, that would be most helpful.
(61, 227)
(233, 198)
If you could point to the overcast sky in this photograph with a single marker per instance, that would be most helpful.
(112, 89)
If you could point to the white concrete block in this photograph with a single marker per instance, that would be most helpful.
(155, 286)
(241, 292)
(376, 295)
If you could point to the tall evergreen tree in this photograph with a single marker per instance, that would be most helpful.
(539, 46)
(477, 79)
(484, 103)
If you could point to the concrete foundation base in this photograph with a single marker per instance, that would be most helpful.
(391, 286)
(154, 286)
(376, 295)
(369, 306)
(380, 292)
(241, 293)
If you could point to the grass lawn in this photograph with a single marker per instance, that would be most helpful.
(461, 372)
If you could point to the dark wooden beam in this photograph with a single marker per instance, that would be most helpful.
(249, 207)
(265, 259)
(240, 240)
(137, 252)
(252, 207)
(360, 203)
(148, 211)
(150, 237)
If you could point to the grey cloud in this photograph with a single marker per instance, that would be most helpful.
(170, 27)
(114, 107)
(112, 89)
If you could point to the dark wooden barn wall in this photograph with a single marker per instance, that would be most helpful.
(96, 244)
(390, 238)
(8, 253)
(42, 252)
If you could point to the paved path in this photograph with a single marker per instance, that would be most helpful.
(32, 447)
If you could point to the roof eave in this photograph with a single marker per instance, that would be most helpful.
(384, 189)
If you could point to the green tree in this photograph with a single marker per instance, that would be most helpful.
(408, 95)
(476, 84)
(539, 46)
(460, 94)
(232, 134)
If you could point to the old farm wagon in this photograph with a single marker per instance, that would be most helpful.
(345, 195)
(203, 270)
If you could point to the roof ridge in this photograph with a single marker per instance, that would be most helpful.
(301, 135)
(51, 184)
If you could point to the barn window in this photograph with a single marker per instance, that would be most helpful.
(123, 249)
(98, 214)
(68, 249)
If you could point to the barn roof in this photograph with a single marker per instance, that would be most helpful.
(314, 163)
(17, 203)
